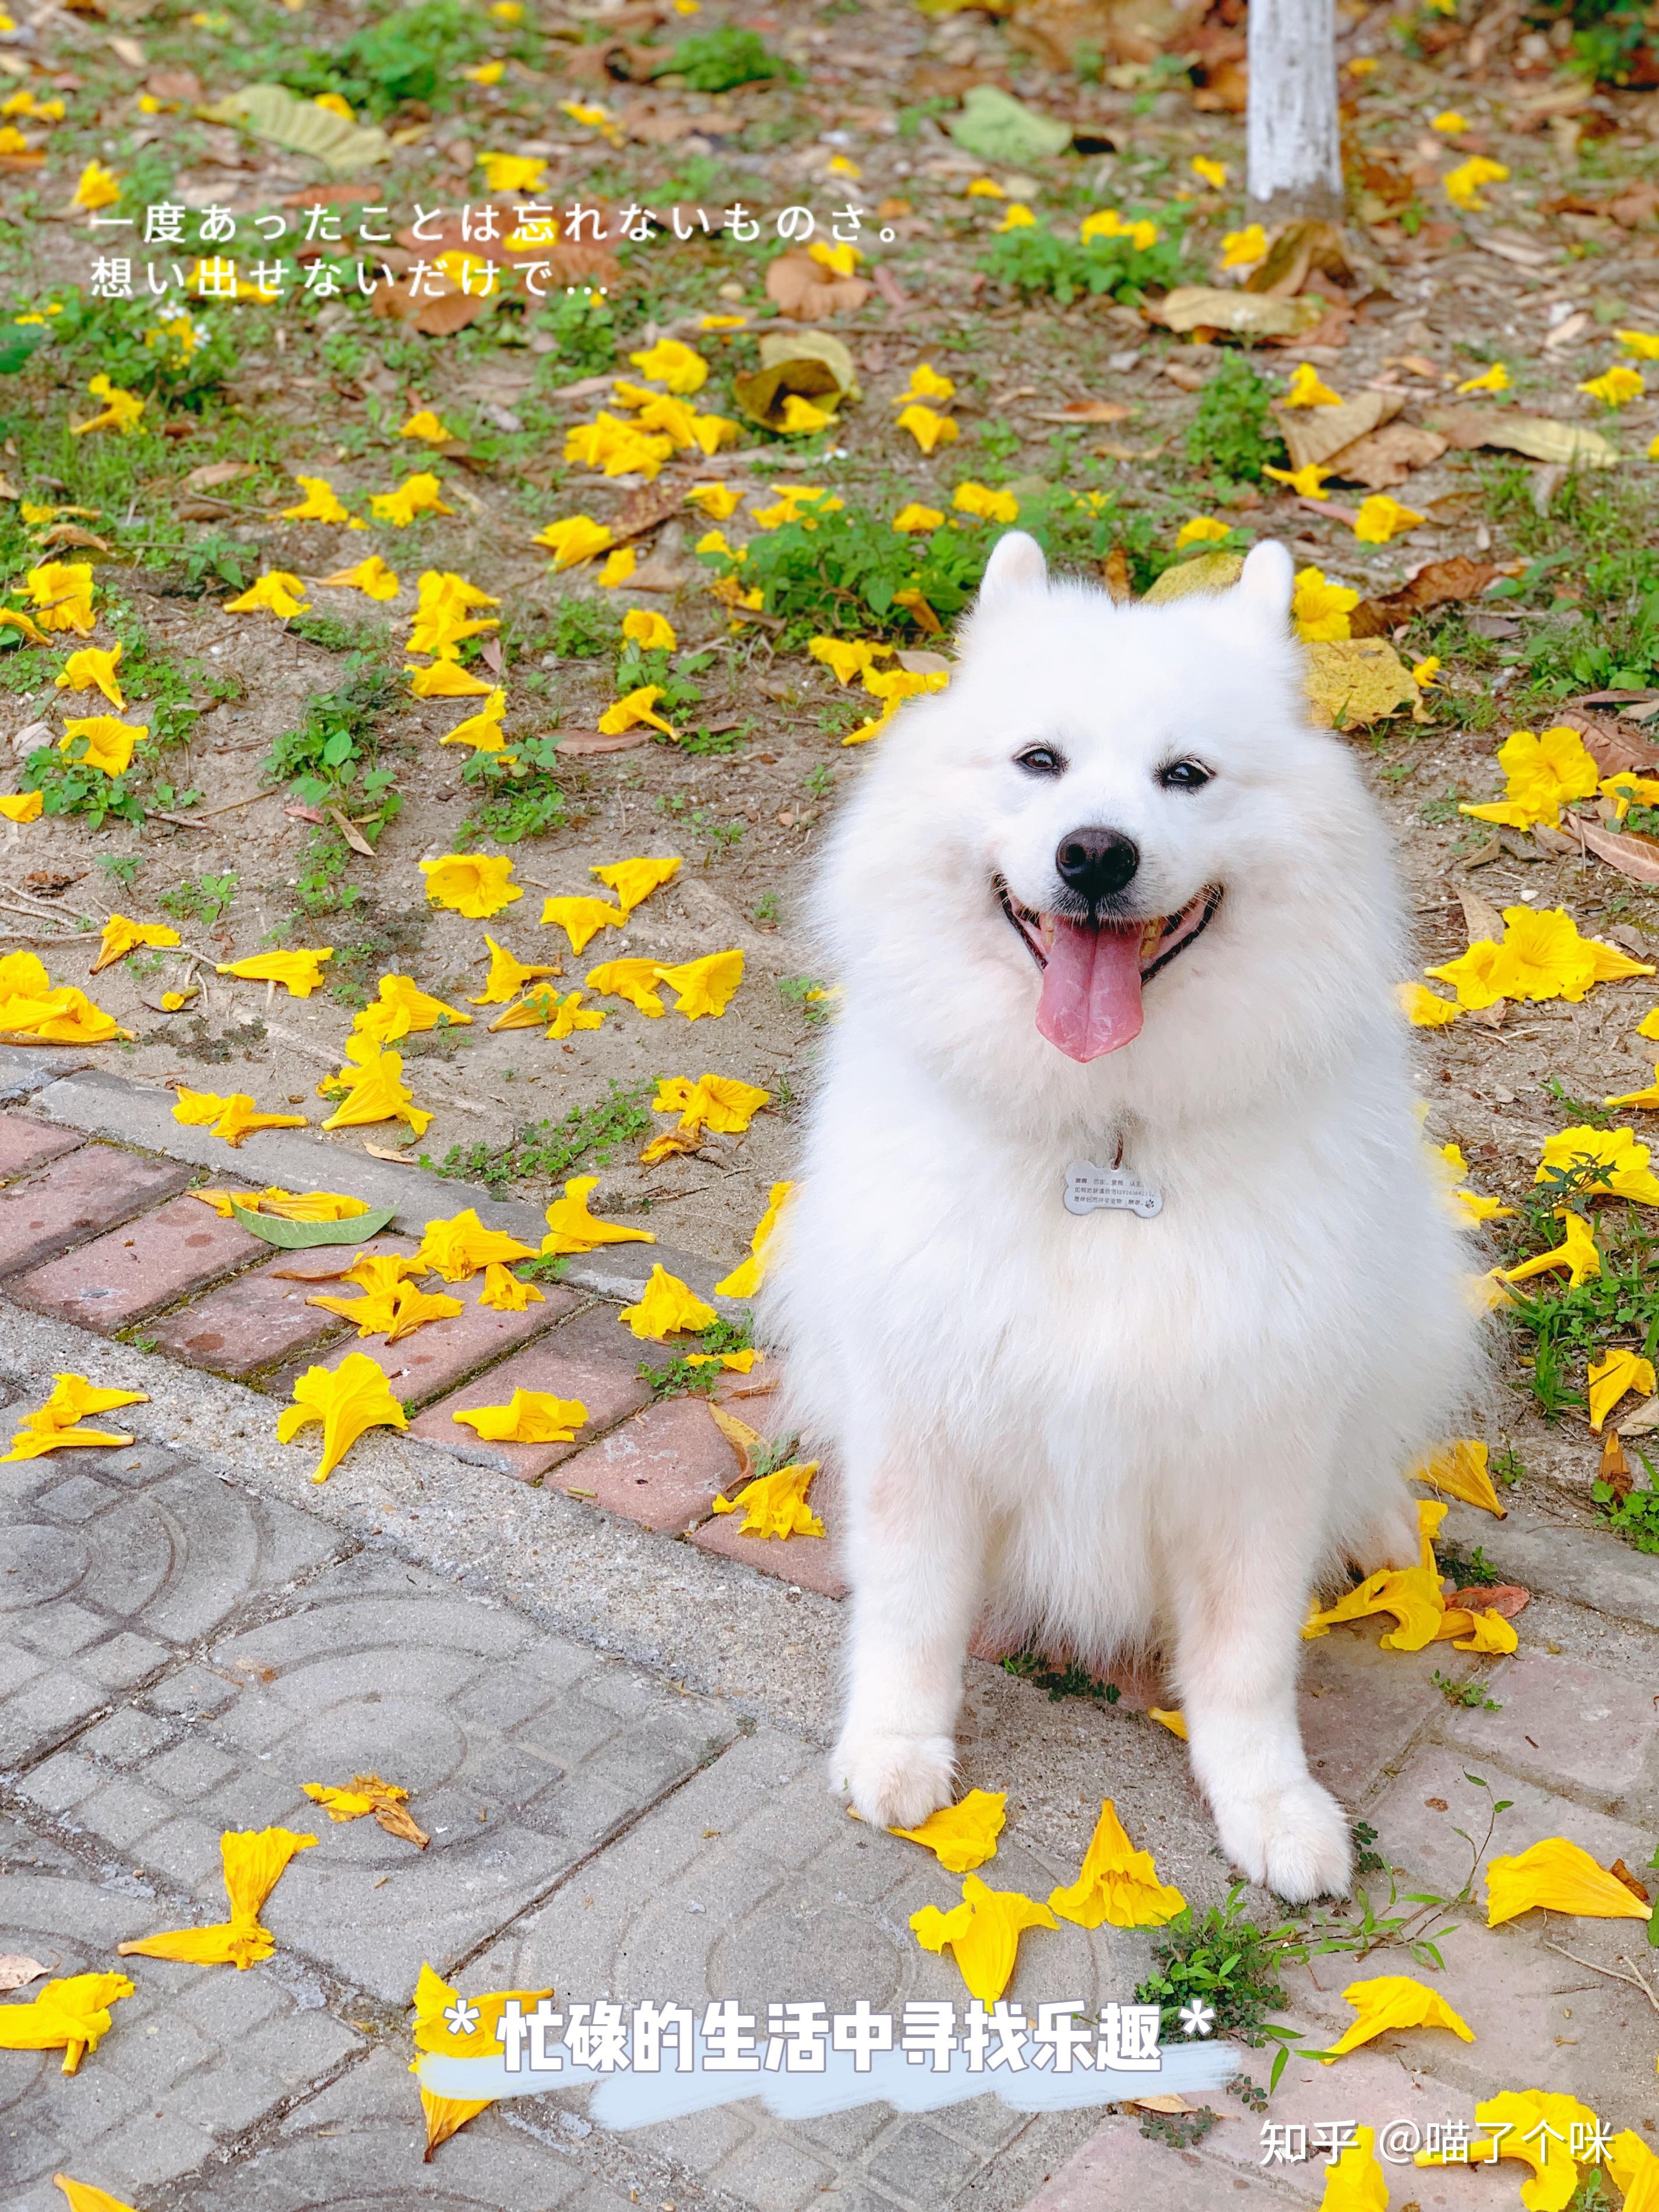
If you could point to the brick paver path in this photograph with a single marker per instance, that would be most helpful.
(612, 1709)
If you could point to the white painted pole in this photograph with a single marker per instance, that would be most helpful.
(1294, 153)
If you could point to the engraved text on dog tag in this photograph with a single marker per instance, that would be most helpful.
(1089, 1187)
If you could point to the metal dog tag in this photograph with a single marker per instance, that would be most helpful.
(1089, 1187)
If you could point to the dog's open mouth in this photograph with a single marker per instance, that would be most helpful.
(1093, 973)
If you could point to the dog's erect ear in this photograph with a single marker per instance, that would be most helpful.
(1267, 580)
(1016, 565)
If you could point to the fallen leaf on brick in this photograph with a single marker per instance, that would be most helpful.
(368, 1794)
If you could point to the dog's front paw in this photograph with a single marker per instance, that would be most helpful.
(894, 1780)
(1294, 1841)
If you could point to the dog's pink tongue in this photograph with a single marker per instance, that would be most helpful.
(1090, 1001)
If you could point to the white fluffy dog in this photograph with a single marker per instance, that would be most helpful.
(1110, 899)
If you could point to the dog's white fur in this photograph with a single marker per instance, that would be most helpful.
(1117, 1433)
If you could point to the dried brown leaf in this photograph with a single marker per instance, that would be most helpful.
(1386, 457)
(16, 1971)
(1436, 584)
(1314, 433)
(807, 291)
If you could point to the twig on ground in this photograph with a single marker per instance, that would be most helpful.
(1636, 1980)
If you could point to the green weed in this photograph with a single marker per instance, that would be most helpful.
(1233, 434)
(544, 1152)
(1070, 1681)
(1035, 260)
(1472, 1696)
(200, 898)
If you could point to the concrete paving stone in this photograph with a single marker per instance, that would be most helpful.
(662, 1468)
(699, 2142)
(137, 2114)
(179, 1556)
(775, 2174)
(919, 2163)
(1562, 1723)
(76, 1198)
(443, 1352)
(1588, 1566)
(358, 2144)
(370, 1666)
(1119, 2170)
(25, 1143)
(139, 1268)
(806, 1562)
(263, 1318)
(25, 1069)
(592, 1358)
(1361, 1706)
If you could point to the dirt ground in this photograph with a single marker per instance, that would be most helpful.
(1563, 253)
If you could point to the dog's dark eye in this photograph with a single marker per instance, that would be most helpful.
(1183, 775)
(1041, 760)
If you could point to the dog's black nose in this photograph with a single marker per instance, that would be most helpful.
(1096, 862)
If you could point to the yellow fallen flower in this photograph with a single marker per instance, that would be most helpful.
(1577, 1253)
(461, 1246)
(1544, 770)
(430, 429)
(633, 881)
(720, 1103)
(986, 505)
(1117, 1883)
(321, 503)
(93, 669)
(927, 383)
(1305, 389)
(1557, 1876)
(745, 1278)
(983, 1933)
(1201, 530)
(72, 2015)
(1380, 518)
(1320, 609)
(1463, 183)
(60, 591)
(253, 1862)
(529, 1417)
(83, 2197)
(1624, 1163)
(847, 657)
(1356, 2181)
(962, 1837)
(671, 363)
(96, 187)
(1243, 249)
(446, 679)
(915, 516)
(1646, 1098)
(374, 1089)
(277, 593)
(1542, 957)
(1391, 2000)
(1413, 1594)
(370, 577)
(483, 731)
(634, 980)
(1635, 2170)
(703, 986)
(1426, 1009)
(775, 1504)
(508, 976)
(1170, 1718)
(417, 494)
(1459, 1470)
(577, 538)
(505, 1293)
(650, 631)
(109, 742)
(1618, 1371)
(1538, 2126)
(347, 1400)
(367, 1795)
(54, 1426)
(20, 806)
(299, 972)
(572, 1228)
(403, 1009)
(477, 884)
(1616, 387)
(1495, 379)
(122, 411)
(121, 936)
(562, 1016)
(581, 919)
(633, 707)
(928, 427)
(31, 1007)
(665, 1306)
(447, 2116)
(394, 1313)
(286, 1205)
(232, 1118)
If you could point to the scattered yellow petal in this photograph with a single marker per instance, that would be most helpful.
(633, 881)
(1200, 530)
(1495, 379)
(301, 972)
(1380, 518)
(1538, 2126)
(1307, 483)
(1243, 249)
(916, 517)
(634, 707)
(507, 976)
(1172, 1720)
(671, 363)
(372, 577)
(20, 806)
(666, 1305)
(92, 668)
(635, 980)
(231, 1117)
(276, 592)
(1616, 387)
(530, 1417)
(1213, 174)
(650, 631)
(374, 1089)
(775, 1503)
(1616, 1372)
(983, 1933)
(962, 1837)
(1355, 2181)
(109, 742)
(1322, 609)
(1117, 1883)
(1391, 2000)
(1577, 1253)
(121, 936)
(458, 1247)
(71, 2015)
(1305, 389)
(1424, 1009)
(928, 427)
(347, 1400)
(979, 500)
(370, 1794)
(1463, 183)
(253, 1862)
(572, 1228)
(321, 503)
(703, 986)
(1459, 1470)
(1623, 1162)
(477, 884)
(745, 1278)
